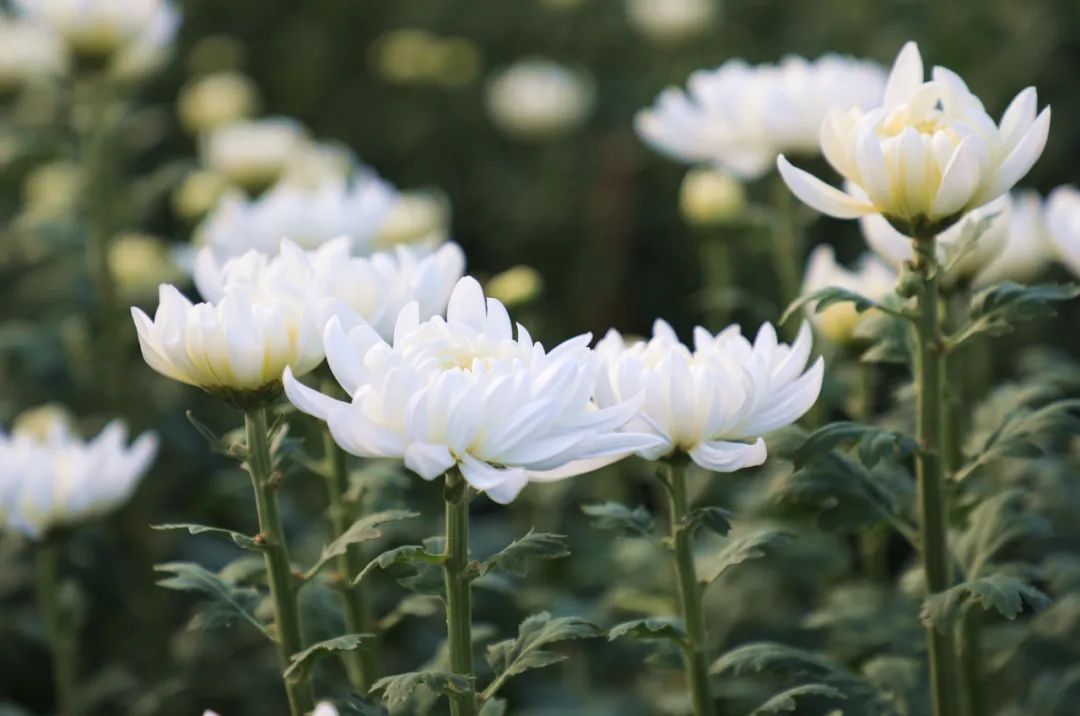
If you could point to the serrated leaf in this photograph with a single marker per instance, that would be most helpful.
(1003, 593)
(715, 519)
(994, 310)
(829, 296)
(364, 529)
(649, 629)
(240, 540)
(786, 700)
(1021, 430)
(514, 558)
(235, 602)
(752, 544)
(875, 444)
(996, 523)
(515, 656)
(620, 518)
(406, 554)
(398, 688)
(417, 605)
(306, 659)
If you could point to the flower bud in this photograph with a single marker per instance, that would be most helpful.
(209, 102)
(711, 196)
(516, 285)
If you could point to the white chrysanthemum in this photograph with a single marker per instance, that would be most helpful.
(215, 100)
(253, 153)
(1027, 250)
(105, 27)
(28, 51)
(671, 21)
(53, 478)
(265, 319)
(538, 98)
(871, 278)
(714, 402)
(741, 117)
(309, 217)
(897, 249)
(927, 156)
(463, 391)
(1062, 216)
(416, 217)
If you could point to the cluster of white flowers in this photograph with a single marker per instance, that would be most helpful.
(51, 478)
(741, 117)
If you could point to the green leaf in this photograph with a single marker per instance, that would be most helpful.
(715, 519)
(514, 558)
(1004, 593)
(829, 296)
(415, 605)
(875, 444)
(493, 707)
(996, 523)
(232, 602)
(650, 629)
(217, 444)
(240, 540)
(737, 549)
(515, 656)
(1019, 434)
(303, 661)
(398, 688)
(406, 554)
(785, 700)
(620, 518)
(994, 310)
(364, 529)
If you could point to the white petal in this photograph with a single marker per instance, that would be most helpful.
(959, 180)
(905, 77)
(818, 195)
(308, 400)
(722, 456)
(428, 460)
(1019, 161)
(467, 304)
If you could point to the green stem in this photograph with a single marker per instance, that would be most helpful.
(695, 650)
(278, 570)
(930, 470)
(873, 540)
(787, 250)
(458, 590)
(60, 628)
(971, 663)
(361, 664)
(716, 263)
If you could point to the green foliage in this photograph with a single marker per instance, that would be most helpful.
(738, 548)
(229, 602)
(1001, 592)
(493, 707)
(240, 540)
(397, 689)
(874, 443)
(715, 519)
(620, 518)
(996, 523)
(515, 656)
(830, 296)
(650, 629)
(515, 557)
(364, 529)
(996, 309)
(306, 659)
(406, 554)
(1021, 431)
(786, 699)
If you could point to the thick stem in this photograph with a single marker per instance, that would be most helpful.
(971, 661)
(361, 664)
(787, 250)
(278, 570)
(458, 590)
(930, 470)
(60, 628)
(695, 651)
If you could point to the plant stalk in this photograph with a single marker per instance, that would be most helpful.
(60, 628)
(458, 590)
(931, 496)
(278, 570)
(715, 247)
(787, 250)
(361, 664)
(695, 650)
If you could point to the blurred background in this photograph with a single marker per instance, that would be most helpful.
(412, 88)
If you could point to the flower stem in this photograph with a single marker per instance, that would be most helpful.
(361, 664)
(716, 262)
(930, 469)
(787, 249)
(60, 628)
(695, 650)
(278, 571)
(458, 590)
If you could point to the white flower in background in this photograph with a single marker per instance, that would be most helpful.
(307, 216)
(316, 163)
(417, 218)
(104, 27)
(50, 477)
(1062, 215)
(139, 263)
(266, 319)
(709, 197)
(200, 192)
(741, 117)
(150, 51)
(713, 402)
(671, 21)
(515, 285)
(462, 391)
(253, 154)
(28, 52)
(1027, 250)
(216, 99)
(927, 156)
(898, 250)
(539, 98)
(871, 278)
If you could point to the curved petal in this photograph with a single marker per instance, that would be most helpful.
(723, 456)
(820, 196)
(905, 77)
(959, 180)
(500, 484)
(1019, 161)
(428, 460)
(308, 400)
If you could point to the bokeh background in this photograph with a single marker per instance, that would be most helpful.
(595, 212)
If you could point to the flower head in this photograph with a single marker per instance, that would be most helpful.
(871, 278)
(538, 98)
(215, 100)
(265, 318)
(103, 28)
(463, 391)
(740, 117)
(671, 21)
(253, 154)
(712, 402)
(928, 155)
(50, 477)
(29, 51)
